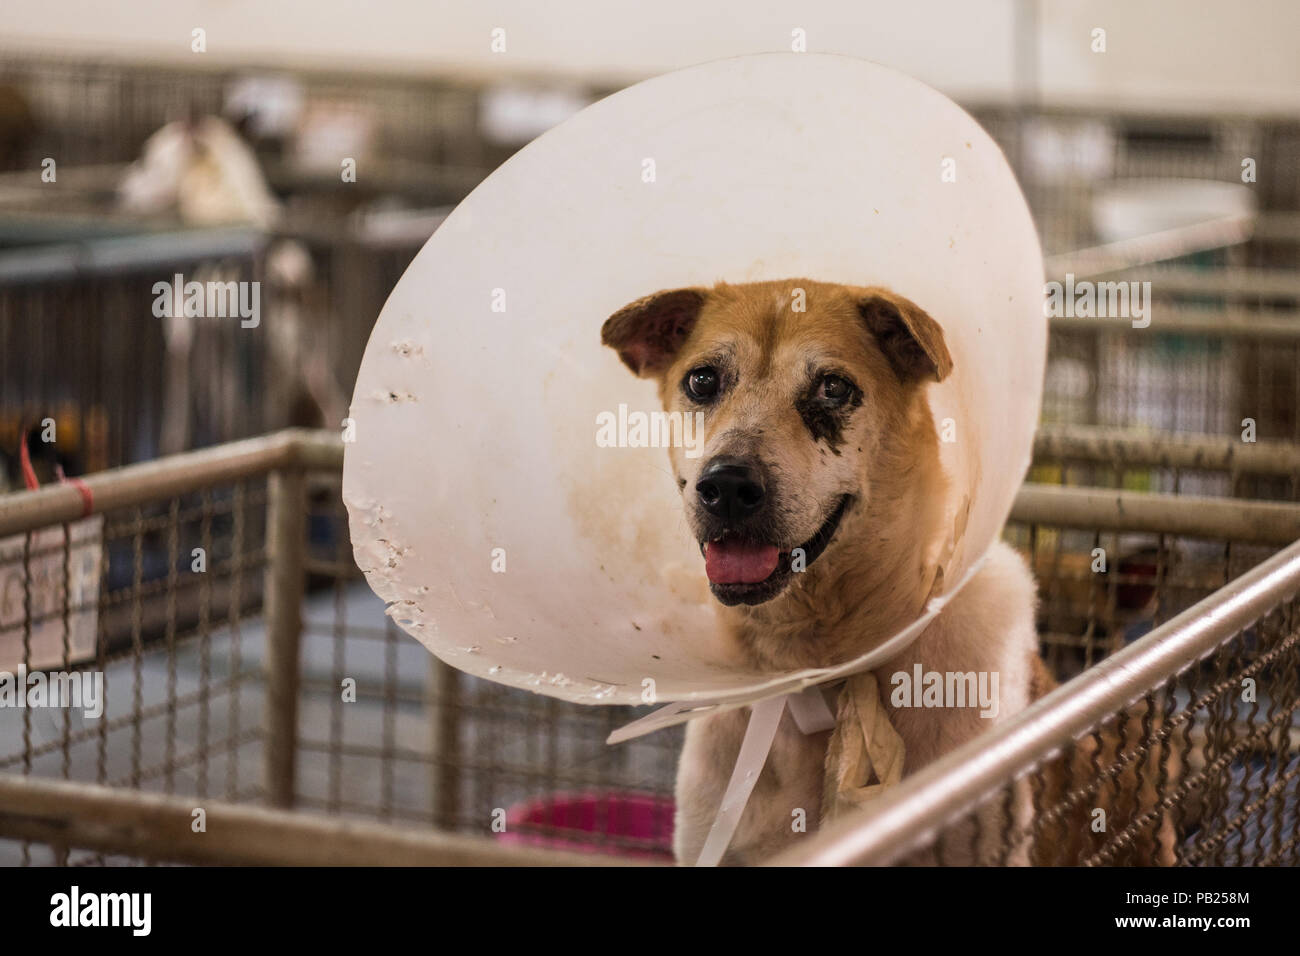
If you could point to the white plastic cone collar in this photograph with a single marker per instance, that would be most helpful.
(476, 404)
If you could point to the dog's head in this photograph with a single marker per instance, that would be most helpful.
(201, 169)
(803, 388)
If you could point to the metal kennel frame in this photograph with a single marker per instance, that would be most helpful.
(1198, 371)
(1223, 346)
(1222, 341)
(68, 254)
(1222, 774)
(1081, 455)
(106, 383)
(223, 687)
(97, 112)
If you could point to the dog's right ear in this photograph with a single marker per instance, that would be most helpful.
(647, 333)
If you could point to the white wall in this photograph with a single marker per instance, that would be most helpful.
(1187, 53)
(1193, 53)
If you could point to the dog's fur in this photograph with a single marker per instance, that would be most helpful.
(881, 450)
(204, 172)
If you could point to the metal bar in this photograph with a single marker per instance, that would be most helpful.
(146, 482)
(126, 254)
(1247, 521)
(1127, 254)
(921, 805)
(1094, 509)
(1278, 227)
(446, 761)
(385, 73)
(315, 449)
(1281, 283)
(1234, 322)
(286, 544)
(165, 477)
(1115, 446)
(157, 827)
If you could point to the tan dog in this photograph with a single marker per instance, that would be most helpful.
(818, 502)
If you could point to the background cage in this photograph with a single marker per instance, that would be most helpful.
(78, 342)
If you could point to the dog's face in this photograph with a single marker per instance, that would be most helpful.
(799, 384)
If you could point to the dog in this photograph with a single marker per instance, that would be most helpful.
(818, 502)
(204, 172)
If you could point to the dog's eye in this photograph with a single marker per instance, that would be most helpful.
(702, 383)
(834, 389)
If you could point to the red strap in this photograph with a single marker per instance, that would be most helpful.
(30, 480)
(25, 460)
(87, 496)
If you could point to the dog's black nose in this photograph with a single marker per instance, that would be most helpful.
(730, 489)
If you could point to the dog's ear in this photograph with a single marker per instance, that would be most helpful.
(910, 339)
(648, 332)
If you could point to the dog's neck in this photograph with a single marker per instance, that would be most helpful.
(875, 577)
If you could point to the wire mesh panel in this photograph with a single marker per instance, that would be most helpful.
(1215, 342)
(91, 350)
(241, 665)
(1200, 771)
(140, 615)
(1178, 750)
(185, 641)
(120, 383)
(1221, 370)
(99, 111)
(389, 731)
(1100, 591)
(1064, 158)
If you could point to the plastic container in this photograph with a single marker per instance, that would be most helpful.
(619, 823)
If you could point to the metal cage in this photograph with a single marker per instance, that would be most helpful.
(1181, 749)
(250, 673)
(1222, 349)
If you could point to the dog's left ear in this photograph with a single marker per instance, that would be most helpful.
(647, 333)
(911, 340)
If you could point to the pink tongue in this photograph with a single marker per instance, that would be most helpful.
(736, 562)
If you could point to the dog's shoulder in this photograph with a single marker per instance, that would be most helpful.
(988, 625)
(1003, 585)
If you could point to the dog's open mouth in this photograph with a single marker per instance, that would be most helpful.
(743, 571)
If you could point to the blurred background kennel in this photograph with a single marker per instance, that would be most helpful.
(1172, 450)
